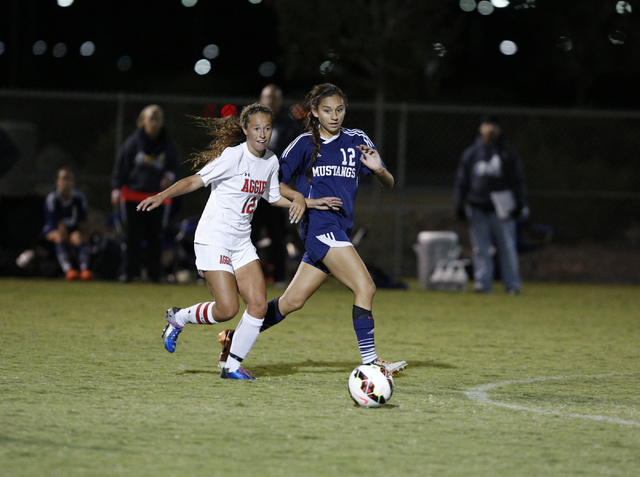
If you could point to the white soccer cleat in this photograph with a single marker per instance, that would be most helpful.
(393, 367)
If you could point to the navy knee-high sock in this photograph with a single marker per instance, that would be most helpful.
(273, 316)
(62, 253)
(363, 325)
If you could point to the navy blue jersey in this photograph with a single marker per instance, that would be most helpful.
(70, 212)
(335, 174)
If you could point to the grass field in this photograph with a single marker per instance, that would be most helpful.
(543, 384)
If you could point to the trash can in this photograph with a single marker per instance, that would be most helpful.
(432, 247)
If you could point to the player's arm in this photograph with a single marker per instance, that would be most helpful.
(371, 158)
(183, 186)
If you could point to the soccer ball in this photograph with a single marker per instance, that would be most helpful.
(370, 385)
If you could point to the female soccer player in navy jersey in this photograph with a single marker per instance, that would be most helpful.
(327, 161)
(240, 170)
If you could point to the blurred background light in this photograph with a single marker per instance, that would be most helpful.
(623, 7)
(203, 67)
(267, 69)
(59, 50)
(1, 47)
(39, 47)
(87, 48)
(500, 3)
(467, 5)
(507, 47)
(326, 67)
(255, 2)
(485, 7)
(124, 63)
(211, 51)
(617, 37)
(189, 3)
(65, 3)
(439, 49)
(564, 43)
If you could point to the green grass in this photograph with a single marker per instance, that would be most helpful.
(86, 387)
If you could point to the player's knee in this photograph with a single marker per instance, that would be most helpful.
(365, 289)
(291, 304)
(257, 309)
(226, 311)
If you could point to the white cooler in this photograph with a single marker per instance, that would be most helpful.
(434, 249)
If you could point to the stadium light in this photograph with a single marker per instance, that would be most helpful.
(59, 50)
(189, 3)
(87, 48)
(124, 63)
(267, 69)
(65, 3)
(203, 67)
(508, 47)
(211, 51)
(485, 7)
(39, 47)
(467, 5)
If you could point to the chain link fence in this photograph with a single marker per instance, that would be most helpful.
(581, 167)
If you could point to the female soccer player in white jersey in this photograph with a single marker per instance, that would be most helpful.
(240, 170)
(328, 161)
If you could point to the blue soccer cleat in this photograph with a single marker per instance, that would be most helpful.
(172, 330)
(240, 373)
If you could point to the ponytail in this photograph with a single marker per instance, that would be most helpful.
(226, 132)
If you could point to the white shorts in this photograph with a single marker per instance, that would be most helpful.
(214, 257)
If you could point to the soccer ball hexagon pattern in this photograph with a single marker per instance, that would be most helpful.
(370, 385)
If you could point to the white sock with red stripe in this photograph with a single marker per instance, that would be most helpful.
(244, 337)
(200, 314)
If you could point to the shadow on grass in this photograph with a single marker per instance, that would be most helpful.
(287, 369)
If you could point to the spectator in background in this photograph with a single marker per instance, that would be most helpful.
(65, 218)
(490, 193)
(273, 220)
(147, 163)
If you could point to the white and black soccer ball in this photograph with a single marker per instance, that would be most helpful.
(370, 385)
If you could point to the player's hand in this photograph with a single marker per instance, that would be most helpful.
(297, 209)
(371, 158)
(149, 203)
(325, 203)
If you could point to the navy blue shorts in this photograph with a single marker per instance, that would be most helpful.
(317, 247)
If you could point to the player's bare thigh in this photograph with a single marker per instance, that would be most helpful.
(304, 284)
(224, 289)
(345, 264)
(252, 288)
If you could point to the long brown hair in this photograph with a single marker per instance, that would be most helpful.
(226, 132)
(317, 94)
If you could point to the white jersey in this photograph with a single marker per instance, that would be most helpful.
(238, 180)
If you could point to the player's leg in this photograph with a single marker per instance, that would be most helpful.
(505, 236)
(304, 284)
(252, 289)
(223, 287)
(346, 265)
(59, 238)
(77, 240)
(480, 231)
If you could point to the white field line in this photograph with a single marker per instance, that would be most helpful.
(480, 395)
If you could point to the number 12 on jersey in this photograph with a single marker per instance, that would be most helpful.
(250, 205)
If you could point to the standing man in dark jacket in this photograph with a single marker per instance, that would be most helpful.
(490, 193)
(273, 220)
(147, 163)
